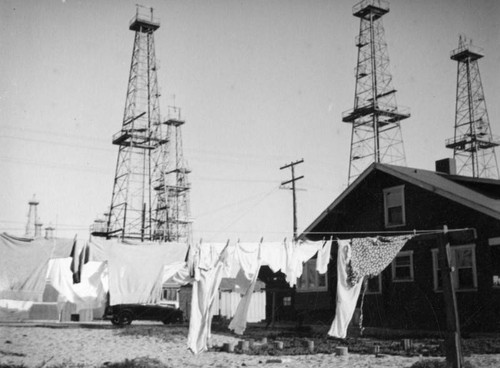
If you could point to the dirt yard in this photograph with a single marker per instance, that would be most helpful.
(99, 344)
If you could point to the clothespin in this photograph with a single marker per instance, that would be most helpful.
(414, 232)
(260, 249)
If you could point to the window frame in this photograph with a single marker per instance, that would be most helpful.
(306, 289)
(386, 208)
(453, 250)
(164, 295)
(403, 253)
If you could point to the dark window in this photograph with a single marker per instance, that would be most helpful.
(463, 261)
(402, 266)
(311, 280)
(374, 285)
(394, 209)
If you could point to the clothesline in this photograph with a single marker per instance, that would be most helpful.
(420, 232)
(374, 232)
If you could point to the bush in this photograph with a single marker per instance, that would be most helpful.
(143, 362)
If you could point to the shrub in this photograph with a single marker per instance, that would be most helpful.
(142, 362)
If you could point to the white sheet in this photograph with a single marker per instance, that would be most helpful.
(347, 296)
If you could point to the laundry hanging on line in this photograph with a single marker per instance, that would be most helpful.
(130, 282)
(89, 293)
(239, 322)
(347, 294)
(24, 264)
(359, 258)
(242, 261)
(370, 256)
(208, 275)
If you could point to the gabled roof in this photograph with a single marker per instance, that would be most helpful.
(441, 184)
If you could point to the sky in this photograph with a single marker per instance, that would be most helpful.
(259, 83)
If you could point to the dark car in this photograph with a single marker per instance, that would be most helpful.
(124, 314)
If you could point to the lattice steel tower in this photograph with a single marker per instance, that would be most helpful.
(33, 220)
(375, 118)
(175, 223)
(473, 144)
(135, 212)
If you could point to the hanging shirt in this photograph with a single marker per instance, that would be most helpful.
(275, 255)
(370, 256)
(324, 257)
(347, 294)
(301, 252)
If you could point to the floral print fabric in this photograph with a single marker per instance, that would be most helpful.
(370, 256)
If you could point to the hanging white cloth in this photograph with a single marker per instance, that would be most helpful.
(24, 264)
(274, 255)
(324, 257)
(347, 295)
(239, 322)
(205, 288)
(89, 293)
(300, 253)
(136, 271)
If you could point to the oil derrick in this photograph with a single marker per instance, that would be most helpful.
(33, 225)
(174, 223)
(375, 118)
(473, 144)
(134, 211)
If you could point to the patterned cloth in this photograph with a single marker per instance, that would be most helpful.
(370, 256)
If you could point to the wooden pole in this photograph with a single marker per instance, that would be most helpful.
(453, 339)
(273, 312)
(293, 180)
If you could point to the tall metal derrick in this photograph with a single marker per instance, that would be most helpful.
(375, 118)
(175, 225)
(140, 200)
(473, 144)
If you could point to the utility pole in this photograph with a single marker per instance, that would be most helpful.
(293, 180)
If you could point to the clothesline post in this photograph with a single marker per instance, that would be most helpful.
(453, 339)
(273, 311)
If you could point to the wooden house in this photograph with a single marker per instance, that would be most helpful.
(386, 200)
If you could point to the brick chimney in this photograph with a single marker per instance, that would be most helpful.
(446, 166)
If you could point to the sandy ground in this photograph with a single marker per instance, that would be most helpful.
(93, 345)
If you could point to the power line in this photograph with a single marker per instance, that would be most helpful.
(56, 143)
(54, 165)
(246, 212)
(244, 200)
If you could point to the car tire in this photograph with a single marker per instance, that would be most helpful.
(124, 318)
(115, 320)
(175, 318)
